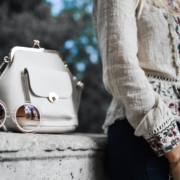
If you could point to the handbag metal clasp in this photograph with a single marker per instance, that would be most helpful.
(53, 97)
(36, 43)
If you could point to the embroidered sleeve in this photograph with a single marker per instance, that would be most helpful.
(164, 138)
(116, 30)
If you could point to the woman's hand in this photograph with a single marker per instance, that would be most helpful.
(176, 172)
(173, 156)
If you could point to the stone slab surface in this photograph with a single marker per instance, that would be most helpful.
(67, 156)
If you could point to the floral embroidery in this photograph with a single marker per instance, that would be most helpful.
(174, 5)
(165, 140)
(169, 96)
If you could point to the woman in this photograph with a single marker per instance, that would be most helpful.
(139, 41)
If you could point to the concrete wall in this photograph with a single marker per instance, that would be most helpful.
(70, 156)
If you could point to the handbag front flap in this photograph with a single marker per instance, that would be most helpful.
(43, 82)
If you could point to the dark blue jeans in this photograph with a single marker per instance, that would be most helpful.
(130, 157)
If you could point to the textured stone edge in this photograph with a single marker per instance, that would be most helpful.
(25, 146)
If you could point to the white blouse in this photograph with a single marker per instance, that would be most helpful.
(144, 91)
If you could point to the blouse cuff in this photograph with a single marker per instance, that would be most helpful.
(164, 138)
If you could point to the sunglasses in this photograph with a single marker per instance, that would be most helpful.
(27, 117)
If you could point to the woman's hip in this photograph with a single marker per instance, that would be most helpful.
(131, 157)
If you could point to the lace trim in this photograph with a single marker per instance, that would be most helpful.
(161, 77)
(157, 130)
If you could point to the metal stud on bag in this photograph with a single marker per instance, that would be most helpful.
(80, 85)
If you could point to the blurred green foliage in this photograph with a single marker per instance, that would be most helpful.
(66, 26)
(82, 50)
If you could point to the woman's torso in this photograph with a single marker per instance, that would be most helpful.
(159, 57)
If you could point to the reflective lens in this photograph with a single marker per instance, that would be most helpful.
(2, 114)
(28, 117)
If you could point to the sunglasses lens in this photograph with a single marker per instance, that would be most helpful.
(2, 115)
(28, 117)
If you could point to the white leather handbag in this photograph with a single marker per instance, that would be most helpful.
(43, 78)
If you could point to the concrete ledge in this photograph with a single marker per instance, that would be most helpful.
(67, 156)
